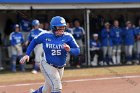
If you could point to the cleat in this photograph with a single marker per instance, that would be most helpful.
(31, 90)
(1, 68)
(34, 72)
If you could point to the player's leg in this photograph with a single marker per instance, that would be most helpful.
(110, 55)
(104, 55)
(126, 54)
(13, 58)
(38, 57)
(92, 58)
(68, 60)
(80, 43)
(1, 65)
(46, 88)
(100, 57)
(91, 55)
(20, 54)
(95, 58)
(130, 50)
(119, 54)
(114, 54)
(52, 78)
(138, 51)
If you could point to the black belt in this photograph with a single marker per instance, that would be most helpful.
(59, 67)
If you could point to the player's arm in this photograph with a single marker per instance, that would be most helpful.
(30, 48)
(73, 46)
(28, 52)
(11, 39)
(22, 39)
(28, 40)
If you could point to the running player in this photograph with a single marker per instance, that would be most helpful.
(56, 45)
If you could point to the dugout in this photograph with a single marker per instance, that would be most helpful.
(84, 10)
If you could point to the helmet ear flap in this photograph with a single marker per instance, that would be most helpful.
(54, 28)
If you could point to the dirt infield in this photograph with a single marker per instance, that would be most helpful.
(108, 84)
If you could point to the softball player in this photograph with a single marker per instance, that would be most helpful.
(38, 50)
(95, 51)
(78, 33)
(128, 35)
(107, 43)
(117, 41)
(69, 30)
(56, 45)
(137, 33)
(16, 40)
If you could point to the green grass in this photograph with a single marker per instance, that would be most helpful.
(9, 77)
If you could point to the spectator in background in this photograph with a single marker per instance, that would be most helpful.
(137, 33)
(78, 33)
(128, 36)
(47, 26)
(95, 51)
(16, 41)
(107, 44)
(41, 26)
(68, 29)
(117, 41)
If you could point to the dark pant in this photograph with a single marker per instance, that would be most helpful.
(96, 52)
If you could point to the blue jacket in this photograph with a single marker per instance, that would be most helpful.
(16, 38)
(129, 36)
(78, 32)
(117, 35)
(137, 31)
(34, 33)
(53, 47)
(94, 45)
(107, 37)
(69, 30)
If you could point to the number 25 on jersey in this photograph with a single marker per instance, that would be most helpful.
(56, 52)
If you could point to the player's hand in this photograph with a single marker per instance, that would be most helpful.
(26, 43)
(24, 59)
(66, 47)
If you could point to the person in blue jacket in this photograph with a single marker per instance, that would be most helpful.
(95, 51)
(16, 41)
(107, 44)
(68, 29)
(56, 45)
(117, 41)
(129, 39)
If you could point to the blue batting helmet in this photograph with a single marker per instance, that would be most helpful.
(57, 21)
(35, 22)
